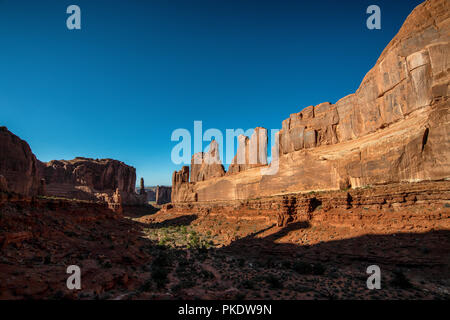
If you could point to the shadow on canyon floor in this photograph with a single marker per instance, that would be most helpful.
(119, 259)
(175, 222)
(262, 265)
(139, 211)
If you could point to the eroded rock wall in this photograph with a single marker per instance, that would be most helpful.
(207, 165)
(251, 152)
(393, 129)
(18, 165)
(163, 194)
(91, 179)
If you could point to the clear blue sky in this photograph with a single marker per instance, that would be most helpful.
(140, 69)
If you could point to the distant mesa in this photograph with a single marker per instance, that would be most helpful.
(105, 180)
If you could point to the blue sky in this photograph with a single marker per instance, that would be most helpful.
(137, 70)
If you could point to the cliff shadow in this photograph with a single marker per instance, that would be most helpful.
(139, 211)
(420, 255)
(179, 221)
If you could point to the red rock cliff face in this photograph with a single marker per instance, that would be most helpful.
(394, 128)
(18, 165)
(90, 179)
(163, 194)
(103, 180)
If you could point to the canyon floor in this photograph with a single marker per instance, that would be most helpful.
(168, 254)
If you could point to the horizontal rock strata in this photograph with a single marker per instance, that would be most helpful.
(282, 209)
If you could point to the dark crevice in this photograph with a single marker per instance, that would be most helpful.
(425, 138)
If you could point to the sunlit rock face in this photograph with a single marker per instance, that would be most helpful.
(207, 165)
(394, 128)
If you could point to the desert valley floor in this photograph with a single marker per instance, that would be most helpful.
(169, 254)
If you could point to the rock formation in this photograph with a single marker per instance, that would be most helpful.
(80, 178)
(142, 187)
(207, 165)
(18, 165)
(251, 152)
(182, 189)
(393, 129)
(42, 190)
(115, 202)
(90, 179)
(163, 194)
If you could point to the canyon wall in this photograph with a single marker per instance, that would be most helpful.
(91, 179)
(393, 129)
(18, 165)
(103, 180)
(163, 194)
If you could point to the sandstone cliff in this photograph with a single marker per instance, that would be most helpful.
(207, 165)
(18, 165)
(90, 179)
(251, 152)
(103, 180)
(394, 128)
(163, 194)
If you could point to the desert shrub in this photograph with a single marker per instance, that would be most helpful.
(163, 241)
(195, 242)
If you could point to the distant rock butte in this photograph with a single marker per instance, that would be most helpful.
(394, 128)
(103, 180)
(18, 165)
(91, 179)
